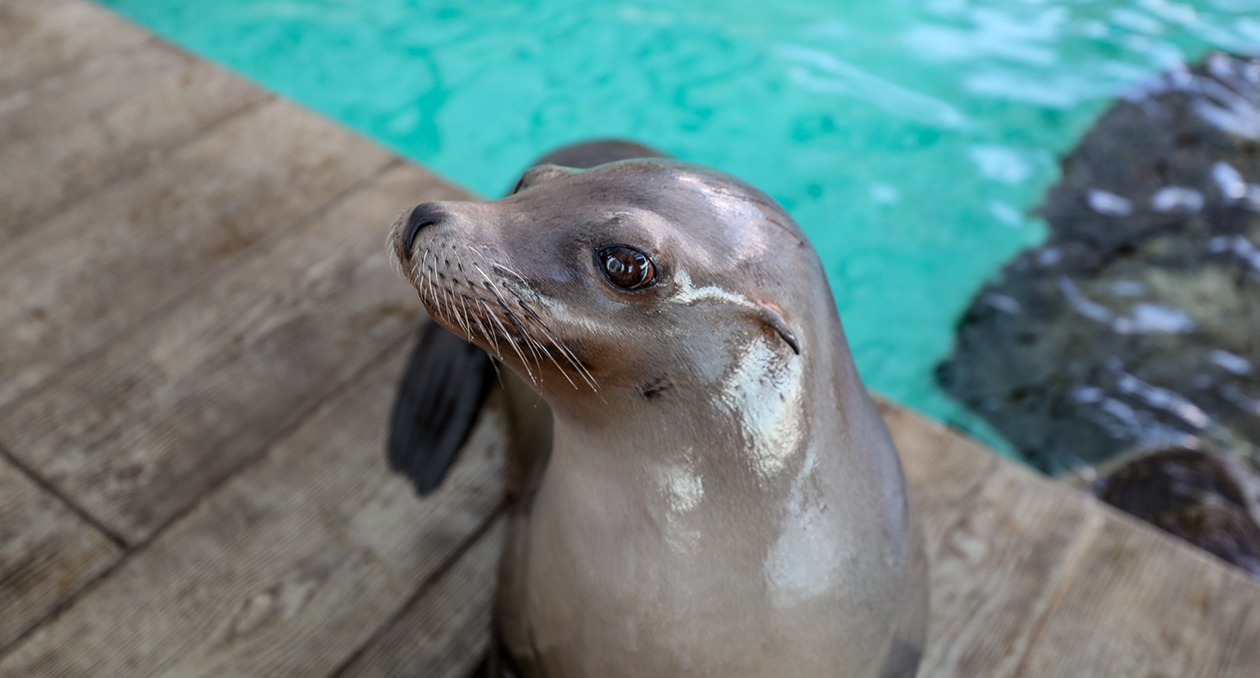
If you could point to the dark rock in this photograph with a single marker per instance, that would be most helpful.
(1205, 498)
(1136, 327)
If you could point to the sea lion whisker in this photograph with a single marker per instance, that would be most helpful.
(516, 347)
(511, 318)
(572, 359)
(395, 261)
(490, 336)
(534, 315)
(504, 269)
(559, 344)
(450, 305)
(508, 336)
(420, 269)
(454, 312)
(432, 286)
(395, 264)
(552, 358)
(581, 369)
(464, 312)
(463, 304)
(532, 338)
(493, 288)
(477, 318)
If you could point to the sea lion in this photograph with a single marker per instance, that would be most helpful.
(722, 497)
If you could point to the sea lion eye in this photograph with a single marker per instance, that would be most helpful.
(627, 267)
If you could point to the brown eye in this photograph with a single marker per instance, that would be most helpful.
(627, 267)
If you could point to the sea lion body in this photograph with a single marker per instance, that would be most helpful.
(722, 497)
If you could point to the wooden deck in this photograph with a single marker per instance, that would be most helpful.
(199, 338)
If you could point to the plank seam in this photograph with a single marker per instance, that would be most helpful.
(265, 448)
(1084, 539)
(79, 511)
(477, 534)
(337, 389)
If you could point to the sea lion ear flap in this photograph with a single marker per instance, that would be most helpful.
(772, 316)
(541, 174)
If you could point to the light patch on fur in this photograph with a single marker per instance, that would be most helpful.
(766, 395)
(562, 315)
(724, 202)
(682, 488)
(687, 293)
(805, 560)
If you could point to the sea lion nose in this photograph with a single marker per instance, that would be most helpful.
(425, 214)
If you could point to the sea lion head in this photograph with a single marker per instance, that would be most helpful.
(633, 279)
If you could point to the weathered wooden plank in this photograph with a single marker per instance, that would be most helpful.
(1239, 653)
(81, 94)
(288, 568)
(46, 552)
(445, 631)
(96, 269)
(54, 35)
(1140, 604)
(72, 134)
(998, 557)
(999, 539)
(136, 432)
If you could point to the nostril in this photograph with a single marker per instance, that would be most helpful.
(425, 214)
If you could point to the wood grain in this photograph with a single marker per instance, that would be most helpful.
(46, 553)
(981, 514)
(1021, 536)
(288, 569)
(445, 631)
(45, 37)
(70, 135)
(1238, 644)
(137, 432)
(93, 271)
(1140, 604)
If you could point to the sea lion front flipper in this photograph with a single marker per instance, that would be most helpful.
(439, 398)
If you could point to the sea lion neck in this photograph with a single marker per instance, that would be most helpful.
(756, 409)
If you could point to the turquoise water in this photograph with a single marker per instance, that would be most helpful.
(909, 139)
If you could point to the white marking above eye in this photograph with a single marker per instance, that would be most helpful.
(687, 293)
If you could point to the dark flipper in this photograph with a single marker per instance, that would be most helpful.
(495, 664)
(437, 405)
(902, 660)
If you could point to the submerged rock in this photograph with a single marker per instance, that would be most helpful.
(1205, 498)
(1136, 327)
